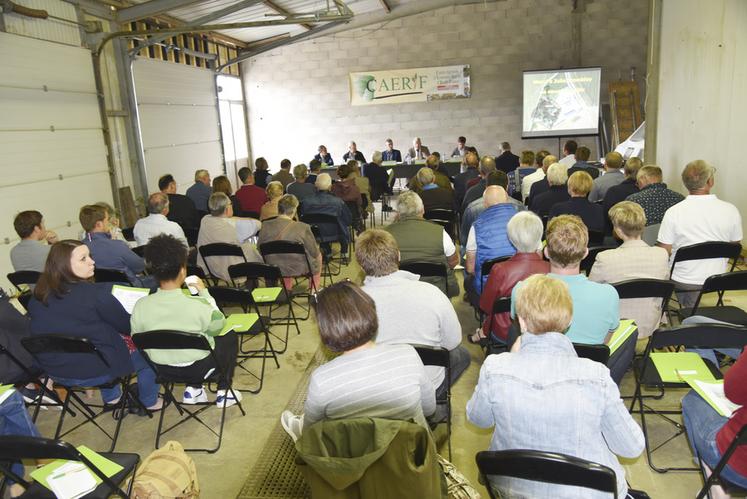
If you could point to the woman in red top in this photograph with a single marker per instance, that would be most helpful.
(525, 233)
(711, 433)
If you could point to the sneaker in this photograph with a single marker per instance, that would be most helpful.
(194, 395)
(292, 424)
(31, 396)
(228, 397)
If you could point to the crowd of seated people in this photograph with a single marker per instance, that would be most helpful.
(553, 304)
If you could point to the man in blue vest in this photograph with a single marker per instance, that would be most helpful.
(488, 239)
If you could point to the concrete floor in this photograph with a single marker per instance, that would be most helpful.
(223, 474)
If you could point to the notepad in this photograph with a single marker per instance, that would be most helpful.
(418, 162)
(454, 159)
(677, 367)
(713, 393)
(5, 392)
(388, 163)
(622, 333)
(239, 323)
(128, 296)
(77, 476)
(261, 295)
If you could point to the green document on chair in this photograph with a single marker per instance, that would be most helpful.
(5, 392)
(678, 367)
(239, 323)
(622, 333)
(262, 295)
(107, 467)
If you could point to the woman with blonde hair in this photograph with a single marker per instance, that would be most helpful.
(274, 193)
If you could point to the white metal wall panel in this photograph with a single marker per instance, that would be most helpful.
(54, 157)
(177, 107)
(53, 30)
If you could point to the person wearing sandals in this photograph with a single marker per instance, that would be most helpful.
(170, 309)
(67, 302)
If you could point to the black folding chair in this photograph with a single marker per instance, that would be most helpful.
(292, 248)
(246, 214)
(435, 273)
(597, 353)
(82, 351)
(269, 275)
(25, 278)
(720, 283)
(17, 448)
(715, 478)
(596, 238)
(444, 218)
(588, 262)
(219, 249)
(501, 305)
(645, 288)
(175, 340)
(243, 297)
(705, 336)
(547, 467)
(329, 232)
(140, 251)
(196, 271)
(129, 233)
(111, 275)
(434, 356)
(485, 269)
(191, 235)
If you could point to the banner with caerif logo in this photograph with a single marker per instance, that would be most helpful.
(369, 88)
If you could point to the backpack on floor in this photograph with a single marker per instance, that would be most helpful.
(167, 473)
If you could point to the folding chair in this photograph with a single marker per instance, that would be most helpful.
(501, 305)
(444, 218)
(25, 278)
(82, 351)
(720, 283)
(588, 262)
(243, 297)
(219, 249)
(715, 478)
(327, 225)
(369, 215)
(111, 275)
(139, 251)
(191, 235)
(292, 248)
(271, 276)
(129, 233)
(597, 353)
(693, 336)
(485, 269)
(547, 467)
(645, 288)
(596, 238)
(17, 448)
(436, 272)
(434, 356)
(196, 271)
(175, 340)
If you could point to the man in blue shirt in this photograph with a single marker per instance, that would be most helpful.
(390, 153)
(200, 191)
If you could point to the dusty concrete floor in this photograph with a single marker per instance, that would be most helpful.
(223, 474)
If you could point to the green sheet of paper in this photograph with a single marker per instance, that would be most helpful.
(677, 367)
(107, 466)
(622, 333)
(5, 392)
(239, 323)
(261, 295)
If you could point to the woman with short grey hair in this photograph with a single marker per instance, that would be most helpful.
(409, 204)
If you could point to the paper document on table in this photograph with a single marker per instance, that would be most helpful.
(713, 393)
(388, 163)
(622, 333)
(128, 296)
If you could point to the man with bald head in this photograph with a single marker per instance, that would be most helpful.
(417, 152)
(488, 239)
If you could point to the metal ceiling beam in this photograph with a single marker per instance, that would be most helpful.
(246, 54)
(284, 12)
(213, 16)
(385, 6)
(150, 9)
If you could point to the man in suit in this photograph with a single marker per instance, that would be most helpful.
(461, 148)
(507, 161)
(417, 151)
(353, 153)
(390, 153)
(472, 161)
(181, 209)
(324, 156)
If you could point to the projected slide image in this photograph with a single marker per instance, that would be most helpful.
(561, 102)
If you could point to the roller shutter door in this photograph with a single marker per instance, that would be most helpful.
(178, 116)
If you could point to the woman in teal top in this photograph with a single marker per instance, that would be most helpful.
(170, 309)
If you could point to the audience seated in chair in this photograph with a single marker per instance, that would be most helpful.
(200, 191)
(368, 379)
(596, 306)
(157, 222)
(710, 433)
(409, 311)
(654, 196)
(525, 233)
(633, 259)
(67, 303)
(346, 188)
(582, 163)
(31, 252)
(434, 197)
(250, 197)
(539, 174)
(487, 239)
(301, 188)
(487, 165)
(284, 175)
(378, 178)
(439, 178)
(326, 203)
(516, 177)
(422, 241)
(285, 228)
(612, 175)
(592, 214)
(108, 252)
(222, 227)
(541, 396)
(470, 162)
(270, 208)
(261, 174)
(627, 187)
(541, 185)
(181, 209)
(170, 309)
(15, 421)
(557, 192)
(701, 217)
